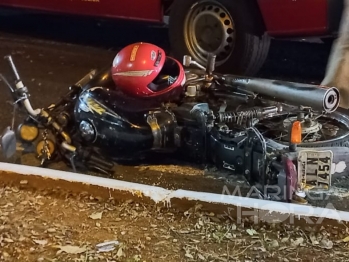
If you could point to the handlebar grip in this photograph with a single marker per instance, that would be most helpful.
(211, 61)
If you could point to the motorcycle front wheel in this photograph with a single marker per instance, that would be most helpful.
(330, 130)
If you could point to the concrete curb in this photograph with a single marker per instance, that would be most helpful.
(238, 207)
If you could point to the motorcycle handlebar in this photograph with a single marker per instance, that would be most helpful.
(20, 86)
(30, 109)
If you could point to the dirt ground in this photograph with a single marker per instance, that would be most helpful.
(58, 227)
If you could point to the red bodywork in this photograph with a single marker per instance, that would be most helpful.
(281, 17)
(295, 17)
(150, 10)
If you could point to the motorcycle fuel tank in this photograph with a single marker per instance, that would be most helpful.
(109, 122)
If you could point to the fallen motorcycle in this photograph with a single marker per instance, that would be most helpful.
(245, 125)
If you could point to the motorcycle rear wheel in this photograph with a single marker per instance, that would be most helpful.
(338, 120)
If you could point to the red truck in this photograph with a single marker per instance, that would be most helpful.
(237, 31)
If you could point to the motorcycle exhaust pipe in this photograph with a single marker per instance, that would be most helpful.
(317, 97)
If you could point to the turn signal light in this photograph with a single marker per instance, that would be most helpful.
(28, 132)
(296, 132)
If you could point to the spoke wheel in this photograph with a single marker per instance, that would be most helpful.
(317, 130)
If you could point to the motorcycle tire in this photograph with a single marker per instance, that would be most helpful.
(342, 116)
(235, 28)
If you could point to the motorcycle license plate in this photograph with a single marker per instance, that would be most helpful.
(314, 169)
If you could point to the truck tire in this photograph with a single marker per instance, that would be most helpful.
(231, 29)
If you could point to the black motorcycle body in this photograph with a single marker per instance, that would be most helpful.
(121, 127)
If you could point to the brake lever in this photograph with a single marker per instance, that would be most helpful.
(7, 83)
(15, 95)
(187, 61)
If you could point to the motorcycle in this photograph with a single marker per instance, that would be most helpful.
(249, 126)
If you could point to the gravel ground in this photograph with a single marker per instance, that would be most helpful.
(48, 226)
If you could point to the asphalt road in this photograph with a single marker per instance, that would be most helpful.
(47, 68)
(52, 53)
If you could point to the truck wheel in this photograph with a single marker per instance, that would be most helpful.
(227, 28)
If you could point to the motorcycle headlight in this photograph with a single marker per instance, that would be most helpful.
(87, 131)
(28, 132)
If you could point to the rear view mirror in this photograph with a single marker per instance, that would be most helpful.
(8, 143)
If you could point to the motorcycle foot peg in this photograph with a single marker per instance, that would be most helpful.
(100, 162)
(71, 160)
(108, 173)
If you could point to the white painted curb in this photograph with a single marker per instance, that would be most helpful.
(161, 195)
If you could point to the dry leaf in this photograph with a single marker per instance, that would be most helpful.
(40, 242)
(251, 232)
(120, 252)
(72, 249)
(274, 243)
(326, 244)
(97, 215)
(201, 257)
(346, 239)
(284, 240)
(297, 242)
(107, 246)
(194, 240)
(8, 240)
(313, 240)
(51, 230)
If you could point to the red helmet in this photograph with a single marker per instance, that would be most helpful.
(144, 70)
